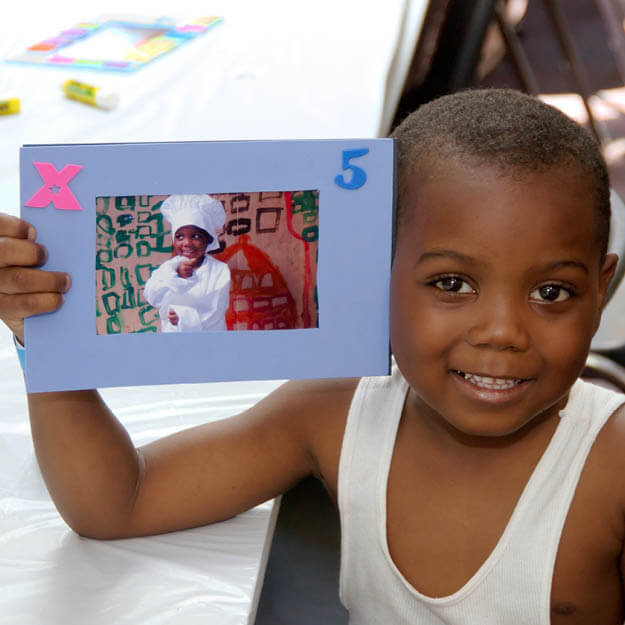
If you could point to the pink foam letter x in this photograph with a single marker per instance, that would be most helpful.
(55, 187)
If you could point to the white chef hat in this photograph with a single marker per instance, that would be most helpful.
(202, 211)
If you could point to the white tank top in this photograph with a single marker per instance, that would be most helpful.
(513, 585)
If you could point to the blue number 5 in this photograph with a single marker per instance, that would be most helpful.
(358, 177)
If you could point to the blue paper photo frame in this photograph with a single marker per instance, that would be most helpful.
(97, 209)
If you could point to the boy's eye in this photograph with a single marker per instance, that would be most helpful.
(452, 284)
(550, 293)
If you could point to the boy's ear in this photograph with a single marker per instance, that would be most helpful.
(605, 276)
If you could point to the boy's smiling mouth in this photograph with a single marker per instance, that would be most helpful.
(488, 382)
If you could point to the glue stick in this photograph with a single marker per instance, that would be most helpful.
(90, 94)
(9, 106)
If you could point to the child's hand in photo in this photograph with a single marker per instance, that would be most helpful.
(173, 317)
(185, 269)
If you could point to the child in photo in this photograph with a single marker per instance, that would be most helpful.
(192, 289)
(482, 482)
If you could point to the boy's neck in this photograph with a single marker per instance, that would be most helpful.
(442, 437)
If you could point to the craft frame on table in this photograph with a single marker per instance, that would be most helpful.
(55, 51)
(355, 182)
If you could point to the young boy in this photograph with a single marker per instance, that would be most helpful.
(191, 290)
(480, 483)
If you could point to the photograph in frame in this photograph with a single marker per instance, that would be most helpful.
(207, 262)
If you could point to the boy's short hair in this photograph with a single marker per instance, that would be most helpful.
(505, 128)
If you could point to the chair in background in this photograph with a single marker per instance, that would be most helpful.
(451, 48)
(446, 55)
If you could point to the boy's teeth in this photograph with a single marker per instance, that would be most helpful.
(488, 382)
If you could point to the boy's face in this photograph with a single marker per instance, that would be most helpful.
(191, 242)
(496, 292)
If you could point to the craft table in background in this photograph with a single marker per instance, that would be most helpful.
(271, 70)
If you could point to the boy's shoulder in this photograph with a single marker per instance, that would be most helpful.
(612, 435)
(211, 261)
(605, 466)
(313, 402)
(316, 412)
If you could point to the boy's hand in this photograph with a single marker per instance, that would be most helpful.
(24, 290)
(185, 269)
(173, 317)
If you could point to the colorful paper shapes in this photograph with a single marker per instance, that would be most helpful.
(114, 44)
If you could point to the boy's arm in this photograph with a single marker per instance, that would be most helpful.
(605, 471)
(105, 488)
(616, 435)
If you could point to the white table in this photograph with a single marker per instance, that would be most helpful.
(271, 70)
(50, 576)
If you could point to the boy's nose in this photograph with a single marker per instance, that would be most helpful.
(499, 323)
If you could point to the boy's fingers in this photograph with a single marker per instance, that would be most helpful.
(16, 280)
(15, 227)
(14, 308)
(22, 252)
(25, 291)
